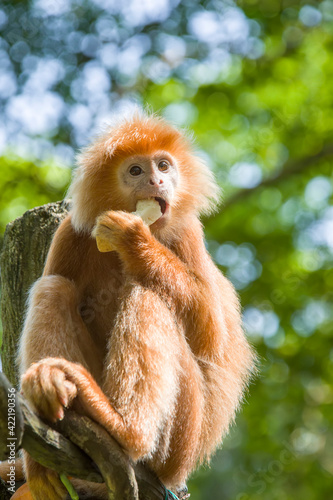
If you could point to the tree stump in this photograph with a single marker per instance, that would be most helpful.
(25, 246)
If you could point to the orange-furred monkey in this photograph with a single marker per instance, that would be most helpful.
(145, 338)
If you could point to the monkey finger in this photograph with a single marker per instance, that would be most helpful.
(71, 392)
(117, 220)
(71, 370)
(49, 375)
(32, 389)
(62, 390)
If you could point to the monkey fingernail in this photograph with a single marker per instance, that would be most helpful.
(63, 402)
(103, 244)
(60, 414)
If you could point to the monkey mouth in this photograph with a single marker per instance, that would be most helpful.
(163, 204)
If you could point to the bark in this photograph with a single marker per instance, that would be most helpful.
(25, 246)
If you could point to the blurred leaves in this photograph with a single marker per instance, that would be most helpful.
(253, 80)
(24, 185)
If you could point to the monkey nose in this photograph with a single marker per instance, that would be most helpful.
(155, 182)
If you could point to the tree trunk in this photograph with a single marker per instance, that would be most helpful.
(25, 246)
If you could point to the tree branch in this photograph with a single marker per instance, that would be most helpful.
(290, 168)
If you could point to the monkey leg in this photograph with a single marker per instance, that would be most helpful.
(143, 368)
(153, 380)
(145, 378)
(53, 328)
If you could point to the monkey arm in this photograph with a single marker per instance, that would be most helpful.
(54, 327)
(159, 268)
(92, 400)
(187, 282)
(151, 262)
(53, 375)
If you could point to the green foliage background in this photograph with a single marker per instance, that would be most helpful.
(270, 109)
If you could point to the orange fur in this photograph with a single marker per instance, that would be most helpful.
(148, 338)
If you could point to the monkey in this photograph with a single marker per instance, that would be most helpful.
(145, 339)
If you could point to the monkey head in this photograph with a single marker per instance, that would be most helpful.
(142, 158)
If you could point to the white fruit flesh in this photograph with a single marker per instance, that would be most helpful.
(148, 210)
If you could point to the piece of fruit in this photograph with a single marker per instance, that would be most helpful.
(148, 210)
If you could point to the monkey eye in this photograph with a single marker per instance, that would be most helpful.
(135, 170)
(163, 165)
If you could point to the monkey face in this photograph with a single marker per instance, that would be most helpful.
(143, 177)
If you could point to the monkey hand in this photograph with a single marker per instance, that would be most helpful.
(115, 230)
(53, 383)
(48, 389)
